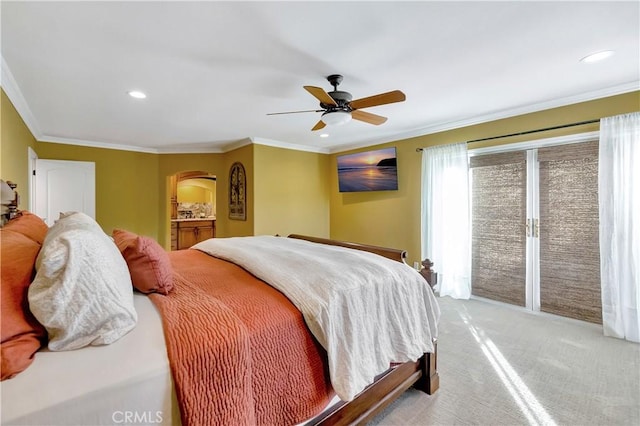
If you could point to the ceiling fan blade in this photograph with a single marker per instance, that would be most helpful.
(321, 95)
(319, 125)
(367, 117)
(381, 99)
(295, 112)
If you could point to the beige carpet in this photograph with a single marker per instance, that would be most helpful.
(505, 366)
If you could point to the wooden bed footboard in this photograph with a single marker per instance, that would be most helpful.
(429, 382)
(393, 254)
(421, 374)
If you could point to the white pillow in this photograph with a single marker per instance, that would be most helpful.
(82, 291)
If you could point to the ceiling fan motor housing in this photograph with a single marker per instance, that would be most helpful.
(341, 98)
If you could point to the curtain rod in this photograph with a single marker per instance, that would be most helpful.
(529, 131)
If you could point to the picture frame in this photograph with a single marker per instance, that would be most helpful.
(375, 170)
(237, 192)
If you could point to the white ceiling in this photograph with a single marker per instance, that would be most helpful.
(213, 70)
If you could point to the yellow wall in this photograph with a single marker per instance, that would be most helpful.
(126, 185)
(126, 182)
(392, 218)
(15, 139)
(131, 188)
(288, 191)
(232, 227)
(379, 217)
(215, 164)
(291, 192)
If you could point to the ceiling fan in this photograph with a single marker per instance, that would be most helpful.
(339, 108)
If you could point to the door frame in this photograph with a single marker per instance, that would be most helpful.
(32, 158)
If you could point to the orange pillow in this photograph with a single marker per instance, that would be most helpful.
(148, 262)
(30, 225)
(22, 335)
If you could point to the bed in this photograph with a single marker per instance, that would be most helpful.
(133, 380)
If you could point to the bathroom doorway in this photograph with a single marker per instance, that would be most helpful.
(193, 208)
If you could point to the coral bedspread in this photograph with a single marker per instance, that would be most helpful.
(367, 311)
(235, 362)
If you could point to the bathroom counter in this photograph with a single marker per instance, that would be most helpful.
(193, 219)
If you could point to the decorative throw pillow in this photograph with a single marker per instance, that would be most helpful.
(82, 290)
(30, 225)
(22, 335)
(149, 263)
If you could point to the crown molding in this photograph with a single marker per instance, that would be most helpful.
(189, 150)
(538, 143)
(499, 115)
(365, 144)
(285, 145)
(243, 142)
(237, 144)
(184, 150)
(94, 144)
(11, 88)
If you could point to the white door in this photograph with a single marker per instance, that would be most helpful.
(63, 186)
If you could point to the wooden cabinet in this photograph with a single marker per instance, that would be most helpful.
(174, 235)
(185, 233)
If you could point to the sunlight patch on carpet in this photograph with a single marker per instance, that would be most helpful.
(522, 395)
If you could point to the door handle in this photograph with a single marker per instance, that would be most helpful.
(533, 228)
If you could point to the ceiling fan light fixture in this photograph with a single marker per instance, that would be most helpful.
(334, 118)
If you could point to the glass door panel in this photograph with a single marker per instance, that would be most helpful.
(498, 226)
(569, 240)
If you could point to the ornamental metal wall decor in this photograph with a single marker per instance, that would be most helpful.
(237, 192)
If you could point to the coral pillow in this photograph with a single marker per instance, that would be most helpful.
(30, 225)
(22, 335)
(148, 262)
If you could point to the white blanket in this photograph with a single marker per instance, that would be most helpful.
(365, 310)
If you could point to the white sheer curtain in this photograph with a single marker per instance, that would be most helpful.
(619, 200)
(446, 223)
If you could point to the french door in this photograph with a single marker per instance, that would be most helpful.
(535, 228)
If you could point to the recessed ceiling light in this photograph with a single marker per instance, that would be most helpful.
(324, 135)
(598, 56)
(137, 94)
